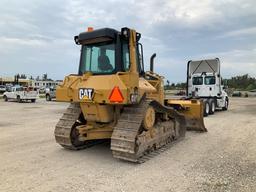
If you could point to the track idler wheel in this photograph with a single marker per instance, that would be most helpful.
(149, 120)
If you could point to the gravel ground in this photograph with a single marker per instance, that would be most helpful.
(223, 159)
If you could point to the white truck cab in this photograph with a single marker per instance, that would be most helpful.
(20, 94)
(204, 81)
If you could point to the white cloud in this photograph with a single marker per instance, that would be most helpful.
(39, 33)
(21, 42)
(240, 32)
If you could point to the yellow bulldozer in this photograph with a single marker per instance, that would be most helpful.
(113, 98)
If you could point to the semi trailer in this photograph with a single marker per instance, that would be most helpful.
(204, 81)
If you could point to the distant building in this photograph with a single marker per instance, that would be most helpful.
(10, 80)
(41, 83)
(29, 82)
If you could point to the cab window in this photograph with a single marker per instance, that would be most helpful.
(197, 80)
(98, 58)
(209, 80)
(125, 56)
(19, 88)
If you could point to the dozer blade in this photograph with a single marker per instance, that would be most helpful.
(193, 112)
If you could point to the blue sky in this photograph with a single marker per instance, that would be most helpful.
(36, 36)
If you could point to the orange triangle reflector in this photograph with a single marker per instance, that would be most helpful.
(116, 95)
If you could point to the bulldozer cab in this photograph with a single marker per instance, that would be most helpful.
(110, 60)
(107, 51)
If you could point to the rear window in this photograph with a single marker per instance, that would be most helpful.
(197, 80)
(18, 88)
(209, 80)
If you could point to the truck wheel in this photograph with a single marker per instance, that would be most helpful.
(48, 97)
(33, 100)
(225, 108)
(18, 99)
(5, 98)
(212, 106)
(206, 108)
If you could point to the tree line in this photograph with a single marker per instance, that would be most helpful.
(169, 85)
(23, 76)
(243, 82)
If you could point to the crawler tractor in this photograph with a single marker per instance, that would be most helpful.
(113, 98)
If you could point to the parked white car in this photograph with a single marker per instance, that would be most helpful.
(50, 93)
(20, 94)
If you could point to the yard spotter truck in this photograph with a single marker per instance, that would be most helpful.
(204, 81)
(113, 98)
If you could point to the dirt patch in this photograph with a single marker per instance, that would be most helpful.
(223, 159)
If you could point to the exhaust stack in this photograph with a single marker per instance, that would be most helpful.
(152, 62)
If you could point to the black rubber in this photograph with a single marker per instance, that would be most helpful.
(226, 105)
(5, 98)
(48, 97)
(18, 99)
(206, 102)
(211, 103)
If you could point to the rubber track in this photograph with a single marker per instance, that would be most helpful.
(125, 132)
(123, 140)
(163, 148)
(66, 124)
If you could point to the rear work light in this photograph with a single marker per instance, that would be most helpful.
(116, 95)
(89, 29)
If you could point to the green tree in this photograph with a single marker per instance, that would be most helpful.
(23, 76)
(241, 82)
(45, 78)
(251, 87)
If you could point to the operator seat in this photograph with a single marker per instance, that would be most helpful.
(104, 63)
